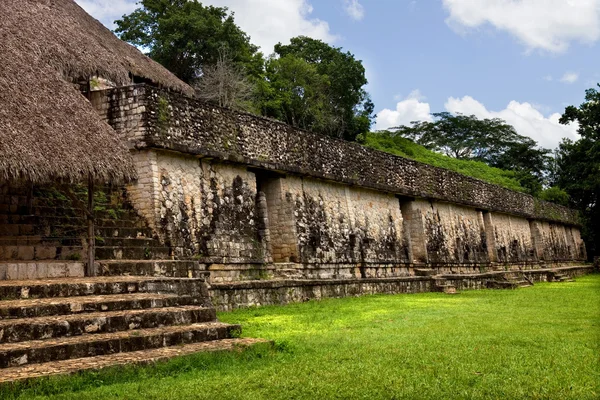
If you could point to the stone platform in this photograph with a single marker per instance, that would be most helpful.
(230, 295)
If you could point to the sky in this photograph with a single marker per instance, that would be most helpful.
(520, 60)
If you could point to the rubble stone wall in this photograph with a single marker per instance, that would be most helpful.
(251, 197)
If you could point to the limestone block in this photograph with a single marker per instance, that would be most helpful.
(45, 252)
(56, 270)
(12, 271)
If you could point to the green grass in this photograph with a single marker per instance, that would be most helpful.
(405, 148)
(541, 342)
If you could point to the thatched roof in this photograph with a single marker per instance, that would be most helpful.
(48, 130)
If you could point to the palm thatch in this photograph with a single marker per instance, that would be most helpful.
(48, 130)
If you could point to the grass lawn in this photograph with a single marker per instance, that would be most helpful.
(541, 342)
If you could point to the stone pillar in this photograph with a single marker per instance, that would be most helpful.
(570, 241)
(143, 192)
(490, 237)
(263, 225)
(579, 244)
(414, 226)
(537, 239)
(281, 220)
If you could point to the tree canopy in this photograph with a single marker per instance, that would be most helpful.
(307, 83)
(312, 85)
(578, 165)
(184, 36)
(491, 141)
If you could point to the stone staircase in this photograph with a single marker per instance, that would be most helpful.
(510, 280)
(144, 306)
(42, 236)
(63, 325)
(442, 285)
(557, 276)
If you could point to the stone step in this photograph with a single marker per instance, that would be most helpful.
(512, 284)
(132, 253)
(90, 345)
(17, 199)
(73, 228)
(42, 251)
(523, 283)
(33, 308)
(446, 288)
(9, 208)
(68, 203)
(121, 232)
(41, 269)
(41, 241)
(137, 357)
(10, 218)
(171, 268)
(17, 229)
(103, 285)
(425, 271)
(127, 242)
(67, 221)
(108, 213)
(35, 235)
(25, 329)
(561, 278)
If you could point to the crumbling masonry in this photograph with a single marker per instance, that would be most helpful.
(261, 206)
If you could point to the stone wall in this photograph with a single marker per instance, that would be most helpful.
(201, 209)
(124, 109)
(557, 242)
(509, 239)
(335, 223)
(229, 296)
(174, 122)
(250, 198)
(453, 234)
(222, 213)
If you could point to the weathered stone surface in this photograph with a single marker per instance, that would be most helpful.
(264, 192)
(63, 325)
(171, 121)
(40, 307)
(41, 351)
(228, 296)
(105, 285)
(23, 329)
(27, 372)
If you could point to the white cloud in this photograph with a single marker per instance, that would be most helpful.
(107, 11)
(569, 77)
(354, 9)
(266, 21)
(525, 117)
(271, 21)
(549, 25)
(412, 108)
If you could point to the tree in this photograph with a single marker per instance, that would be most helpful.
(299, 94)
(556, 195)
(185, 36)
(225, 84)
(578, 166)
(492, 141)
(311, 69)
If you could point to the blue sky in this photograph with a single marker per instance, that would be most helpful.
(520, 60)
